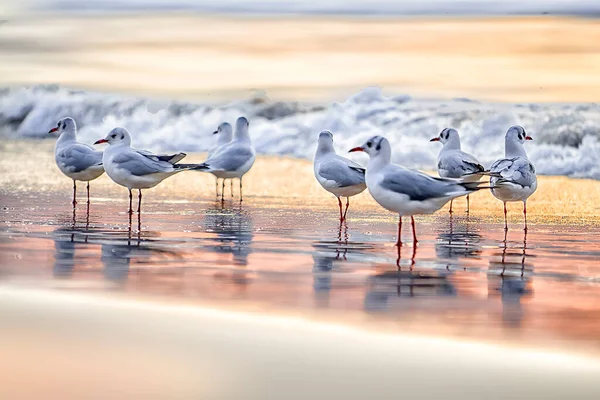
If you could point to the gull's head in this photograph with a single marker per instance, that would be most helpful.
(242, 124)
(64, 125)
(224, 127)
(374, 146)
(116, 136)
(517, 134)
(447, 135)
(325, 137)
(325, 142)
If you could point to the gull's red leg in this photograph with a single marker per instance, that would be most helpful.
(139, 201)
(74, 193)
(525, 214)
(341, 214)
(88, 192)
(347, 205)
(505, 221)
(399, 242)
(468, 207)
(130, 203)
(415, 241)
(450, 211)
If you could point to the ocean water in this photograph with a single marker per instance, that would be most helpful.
(566, 136)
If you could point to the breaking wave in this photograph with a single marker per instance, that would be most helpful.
(566, 136)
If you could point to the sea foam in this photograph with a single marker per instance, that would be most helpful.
(566, 136)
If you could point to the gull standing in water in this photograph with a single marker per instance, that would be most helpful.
(137, 169)
(455, 163)
(337, 175)
(234, 159)
(78, 161)
(224, 134)
(407, 192)
(515, 178)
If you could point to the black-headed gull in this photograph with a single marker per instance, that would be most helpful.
(234, 159)
(514, 178)
(137, 169)
(337, 175)
(78, 161)
(405, 191)
(455, 163)
(224, 134)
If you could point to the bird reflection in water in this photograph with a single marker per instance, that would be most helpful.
(511, 282)
(232, 232)
(459, 240)
(66, 240)
(323, 263)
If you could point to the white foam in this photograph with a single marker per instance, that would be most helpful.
(566, 136)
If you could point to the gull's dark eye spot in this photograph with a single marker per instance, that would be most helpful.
(64, 125)
(378, 147)
(520, 137)
(122, 136)
(113, 136)
(369, 144)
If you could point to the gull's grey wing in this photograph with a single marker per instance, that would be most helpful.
(170, 158)
(518, 170)
(139, 165)
(78, 157)
(416, 185)
(230, 158)
(338, 170)
(460, 164)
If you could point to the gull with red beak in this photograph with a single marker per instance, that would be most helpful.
(407, 192)
(514, 175)
(76, 160)
(224, 134)
(137, 169)
(338, 175)
(455, 163)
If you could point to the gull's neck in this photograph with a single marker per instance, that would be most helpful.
(451, 144)
(223, 138)
(513, 148)
(242, 135)
(324, 148)
(67, 136)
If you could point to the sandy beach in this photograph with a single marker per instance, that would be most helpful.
(199, 298)
(216, 57)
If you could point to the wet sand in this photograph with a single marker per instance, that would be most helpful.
(213, 57)
(281, 257)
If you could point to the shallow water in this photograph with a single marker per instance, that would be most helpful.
(281, 255)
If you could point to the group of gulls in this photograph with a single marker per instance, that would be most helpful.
(404, 191)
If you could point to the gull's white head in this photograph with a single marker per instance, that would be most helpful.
(514, 140)
(325, 142)
(225, 132)
(241, 128)
(64, 125)
(376, 147)
(117, 136)
(448, 135)
(517, 133)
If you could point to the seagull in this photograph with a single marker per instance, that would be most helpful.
(455, 163)
(137, 169)
(235, 158)
(515, 178)
(225, 133)
(405, 191)
(337, 175)
(78, 161)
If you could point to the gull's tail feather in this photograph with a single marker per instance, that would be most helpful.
(478, 175)
(474, 186)
(172, 158)
(190, 167)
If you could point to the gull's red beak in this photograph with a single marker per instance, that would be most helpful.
(53, 130)
(356, 149)
(528, 138)
(101, 141)
(435, 139)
